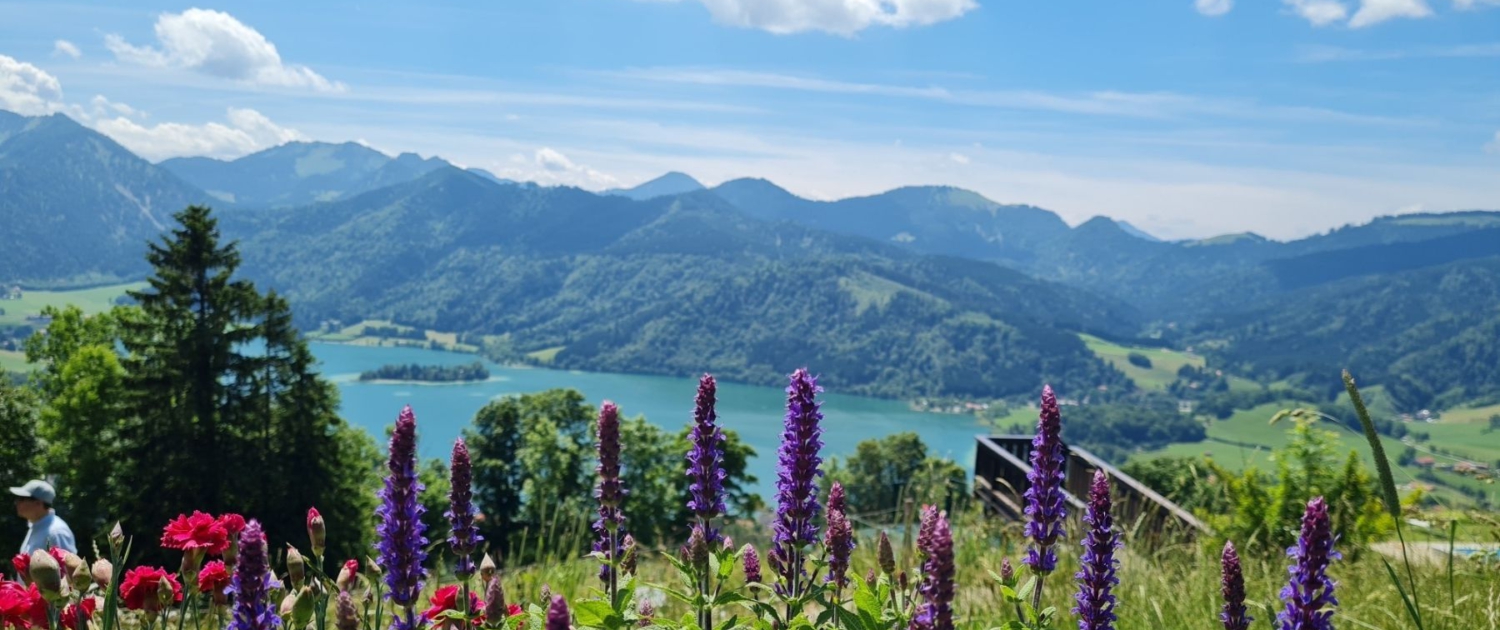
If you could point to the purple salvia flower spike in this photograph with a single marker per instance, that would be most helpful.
(1309, 594)
(465, 536)
(938, 573)
(252, 583)
(1096, 579)
(402, 545)
(705, 460)
(839, 540)
(558, 615)
(1045, 506)
(798, 467)
(610, 491)
(1234, 615)
(752, 564)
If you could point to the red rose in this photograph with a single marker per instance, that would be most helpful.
(233, 523)
(446, 599)
(197, 532)
(61, 556)
(83, 611)
(213, 578)
(514, 609)
(22, 606)
(22, 563)
(140, 586)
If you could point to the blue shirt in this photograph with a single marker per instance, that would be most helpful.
(50, 531)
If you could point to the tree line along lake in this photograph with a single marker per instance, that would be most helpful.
(445, 409)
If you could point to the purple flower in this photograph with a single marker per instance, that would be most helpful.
(401, 541)
(465, 536)
(610, 491)
(839, 540)
(1234, 615)
(797, 471)
(252, 583)
(1096, 604)
(936, 545)
(1045, 506)
(705, 460)
(1309, 593)
(557, 614)
(752, 564)
(345, 616)
(494, 601)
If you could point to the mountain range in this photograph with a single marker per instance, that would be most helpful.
(923, 290)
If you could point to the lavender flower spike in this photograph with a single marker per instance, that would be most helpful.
(1045, 506)
(401, 541)
(1096, 579)
(1309, 593)
(839, 540)
(936, 545)
(252, 583)
(797, 470)
(610, 491)
(705, 460)
(465, 536)
(558, 614)
(1234, 615)
(752, 564)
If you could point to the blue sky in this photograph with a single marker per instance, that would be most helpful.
(1186, 117)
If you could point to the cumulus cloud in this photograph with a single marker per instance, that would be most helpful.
(245, 131)
(1373, 12)
(841, 17)
(63, 47)
(958, 158)
(1213, 8)
(28, 90)
(1318, 12)
(216, 44)
(551, 167)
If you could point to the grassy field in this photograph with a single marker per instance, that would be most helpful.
(1470, 415)
(1247, 438)
(1165, 363)
(95, 300)
(356, 334)
(13, 362)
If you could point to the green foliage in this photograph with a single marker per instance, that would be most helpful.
(18, 443)
(430, 373)
(884, 475)
(1264, 511)
(1114, 431)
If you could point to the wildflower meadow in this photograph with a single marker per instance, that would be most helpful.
(817, 568)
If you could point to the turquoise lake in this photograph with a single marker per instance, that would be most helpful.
(443, 410)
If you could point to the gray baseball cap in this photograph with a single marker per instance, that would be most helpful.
(36, 489)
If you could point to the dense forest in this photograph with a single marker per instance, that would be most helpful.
(427, 373)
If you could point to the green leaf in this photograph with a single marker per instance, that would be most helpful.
(595, 613)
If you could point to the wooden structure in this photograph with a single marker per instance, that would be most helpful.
(1001, 463)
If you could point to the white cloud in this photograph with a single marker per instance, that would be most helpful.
(214, 43)
(841, 17)
(958, 158)
(551, 167)
(65, 47)
(101, 107)
(1318, 12)
(1373, 12)
(1213, 8)
(28, 90)
(247, 131)
(1494, 145)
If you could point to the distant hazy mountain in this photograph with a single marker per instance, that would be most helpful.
(929, 219)
(300, 173)
(676, 285)
(1135, 231)
(75, 206)
(673, 183)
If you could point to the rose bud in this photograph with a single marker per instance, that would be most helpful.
(116, 536)
(165, 594)
(486, 569)
(287, 603)
(296, 567)
(103, 573)
(302, 608)
(349, 575)
(82, 577)
(46, 574)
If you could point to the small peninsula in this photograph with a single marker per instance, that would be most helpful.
(428, 373)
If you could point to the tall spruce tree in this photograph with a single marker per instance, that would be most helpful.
(228, 412)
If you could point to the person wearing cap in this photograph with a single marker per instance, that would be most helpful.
(46, 530)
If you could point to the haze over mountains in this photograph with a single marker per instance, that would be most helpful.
(915, 291)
